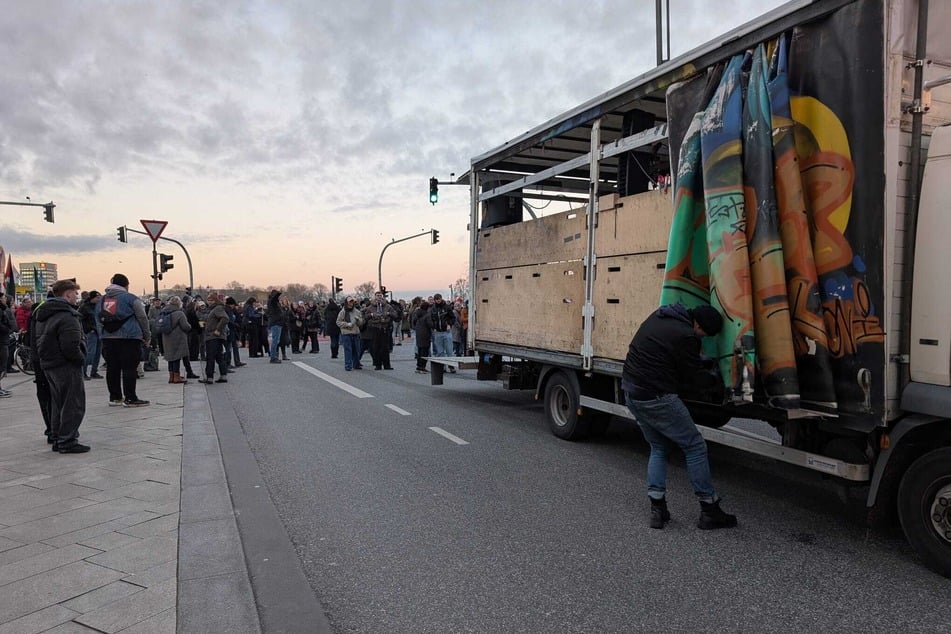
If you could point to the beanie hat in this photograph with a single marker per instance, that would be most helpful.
(231, 301)
(709, 319)
(120, 279)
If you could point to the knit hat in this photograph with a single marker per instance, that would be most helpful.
(230, 301)
(709, 319)
(120, 280)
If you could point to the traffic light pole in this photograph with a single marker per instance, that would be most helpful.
(191, 278)
(379, 268)
(47, 206)
(154, 270)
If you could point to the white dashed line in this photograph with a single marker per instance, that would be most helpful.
(398, 410)
(335, 382)
(446, 434)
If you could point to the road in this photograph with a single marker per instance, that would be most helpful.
(415, 508)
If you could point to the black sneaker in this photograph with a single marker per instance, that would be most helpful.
(275, 360)
(96, 376)
(73, 448)
(132, 402)
(222, 380)
(206, 381)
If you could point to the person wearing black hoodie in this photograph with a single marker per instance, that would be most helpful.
(663, 362)
(276, 322)
(61, 350)
(331, 327)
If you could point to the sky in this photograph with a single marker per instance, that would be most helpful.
(290, 141)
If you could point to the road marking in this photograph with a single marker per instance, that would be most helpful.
(446, 434)
(335, 382)
(398, 410)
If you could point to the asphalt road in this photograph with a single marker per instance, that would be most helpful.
(491, 524)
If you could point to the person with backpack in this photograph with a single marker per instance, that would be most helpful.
(125, 329)
(173, 328)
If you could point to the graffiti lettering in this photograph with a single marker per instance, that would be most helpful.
(851, 322)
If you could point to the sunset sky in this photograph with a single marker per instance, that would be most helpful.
(290, 141)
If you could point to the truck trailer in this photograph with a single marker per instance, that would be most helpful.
(794, 173)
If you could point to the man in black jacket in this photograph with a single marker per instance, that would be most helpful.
(662, 362)
(275, 323)
(61, 351)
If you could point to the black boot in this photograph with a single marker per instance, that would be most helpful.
(713, 517)
(659, 513)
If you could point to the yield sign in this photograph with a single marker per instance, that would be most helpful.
(154, 228)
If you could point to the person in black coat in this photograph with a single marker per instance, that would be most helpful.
(422, 326)
(331, 327)
(61, 350)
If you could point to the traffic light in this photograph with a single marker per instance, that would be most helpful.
(122, 234)
(48, 211)
(165, 262)
(435, 236)
(433, 190)
(338, 285)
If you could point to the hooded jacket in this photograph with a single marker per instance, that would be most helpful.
(59, 336)
(664, 355)
(135, 328)
(274, 312)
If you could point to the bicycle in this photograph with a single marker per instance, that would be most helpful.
(21, 353)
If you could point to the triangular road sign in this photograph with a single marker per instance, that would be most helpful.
(154, 228)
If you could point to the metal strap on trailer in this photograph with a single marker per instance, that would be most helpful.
(438, 366)
(755, 445)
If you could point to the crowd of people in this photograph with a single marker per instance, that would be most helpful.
(72, 334)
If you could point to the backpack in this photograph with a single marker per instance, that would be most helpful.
(164, 324)
(111, 322)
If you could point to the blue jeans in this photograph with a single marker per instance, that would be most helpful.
(665, 423)
(351, 351)
(93, 350)
(442, 344)
(275, 340)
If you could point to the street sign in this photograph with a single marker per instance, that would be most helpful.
(154, 228)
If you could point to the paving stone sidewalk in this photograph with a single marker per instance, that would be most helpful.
(90, 542)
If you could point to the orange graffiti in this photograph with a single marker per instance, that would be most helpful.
(850, 323)
(828, 178)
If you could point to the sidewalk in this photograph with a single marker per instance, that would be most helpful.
(91, 542)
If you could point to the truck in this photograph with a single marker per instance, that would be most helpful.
(794, 174)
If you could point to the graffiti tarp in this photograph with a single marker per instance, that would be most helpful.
(793, 218)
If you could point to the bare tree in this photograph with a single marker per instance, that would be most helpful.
(320, 292)
(460, 288)
(295, 291)
(365, 290)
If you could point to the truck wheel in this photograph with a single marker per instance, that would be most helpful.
(561, 408)
(924, 508)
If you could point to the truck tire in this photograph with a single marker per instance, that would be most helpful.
(562, 402)
(924, 508)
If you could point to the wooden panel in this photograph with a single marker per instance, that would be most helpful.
(626, 292)
(551, 238)
(636, 224)
(535, 306)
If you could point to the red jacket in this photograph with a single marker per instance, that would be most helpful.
(23, 316)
